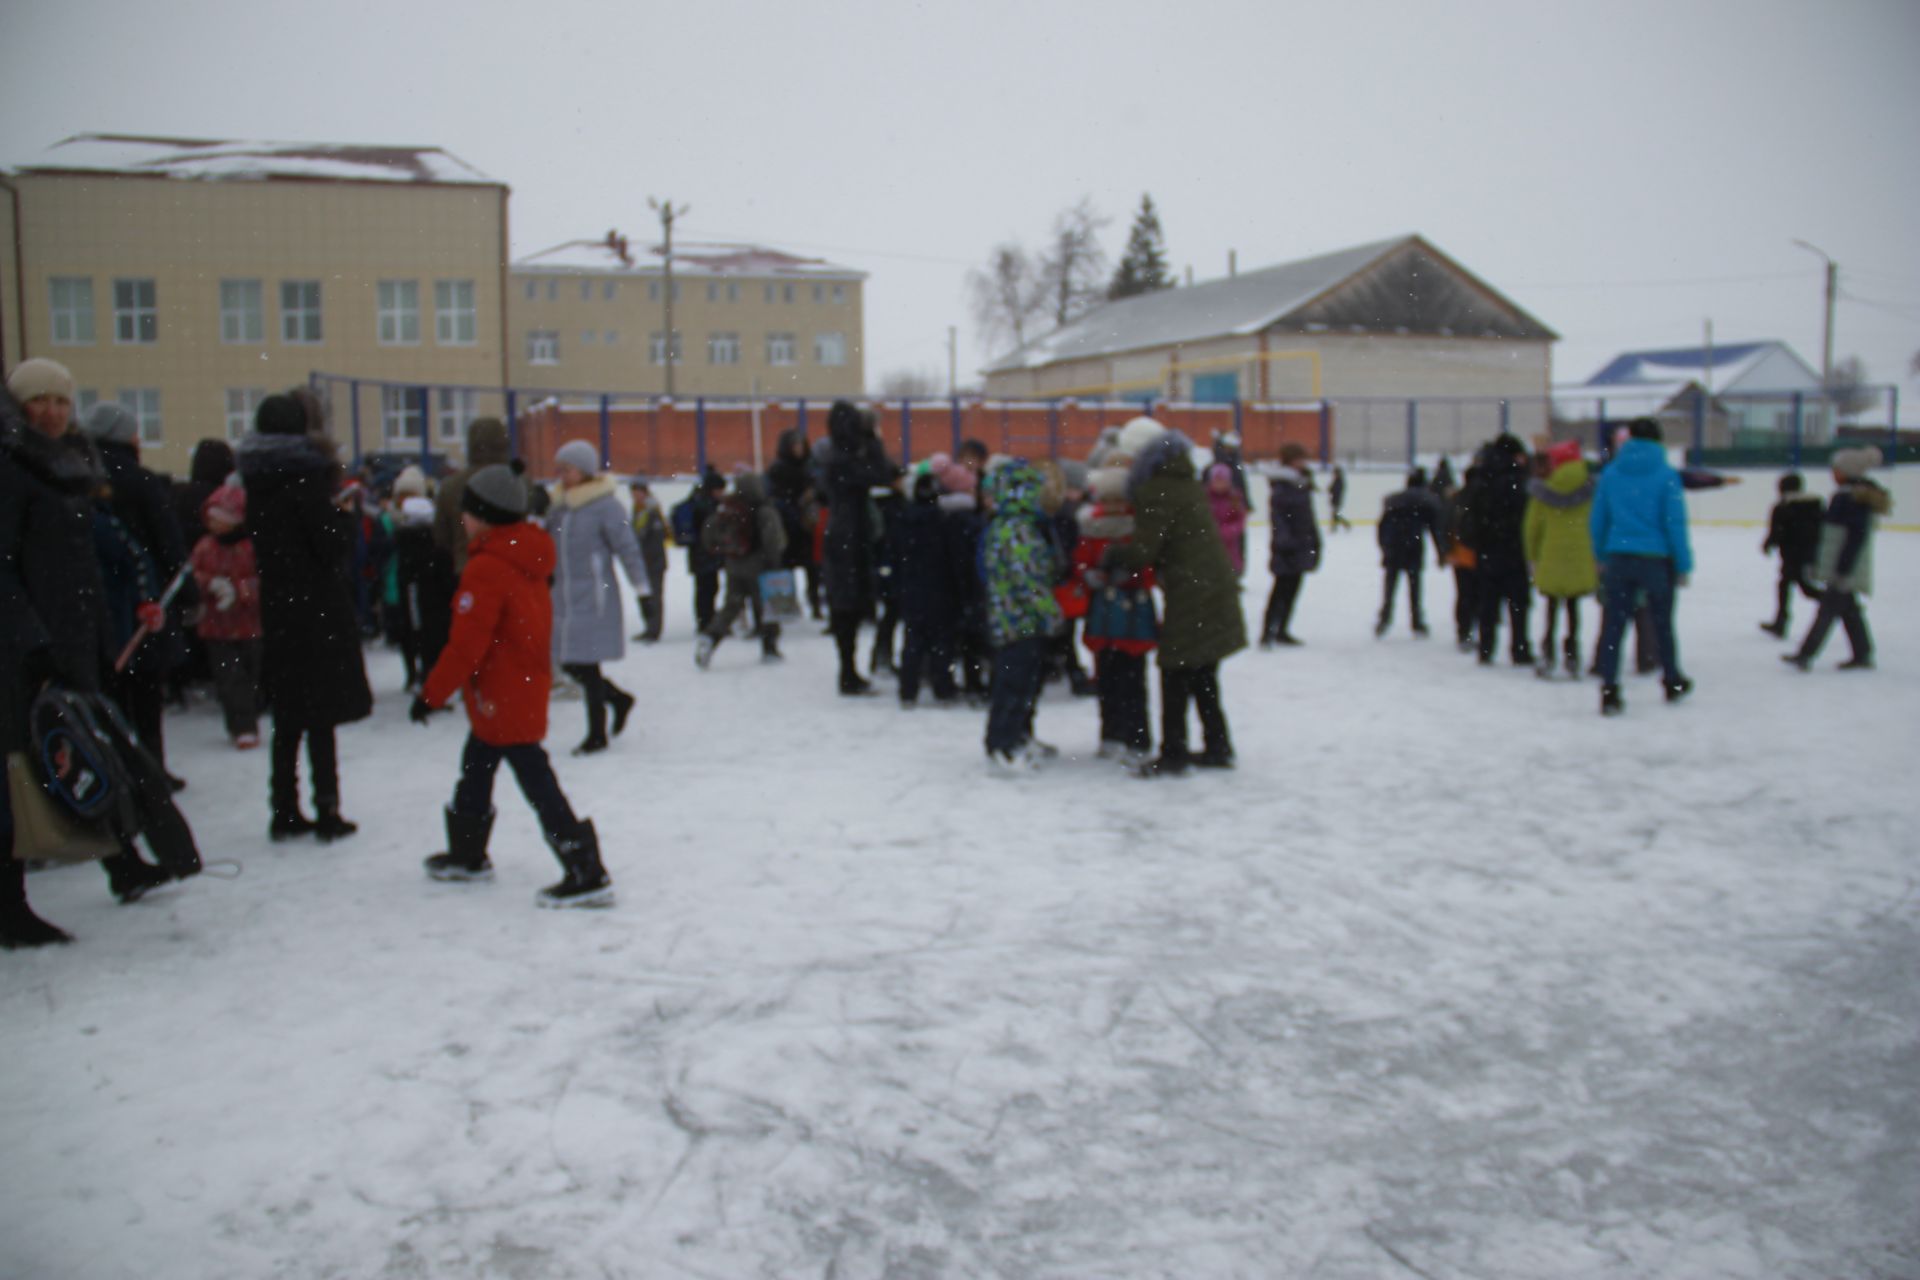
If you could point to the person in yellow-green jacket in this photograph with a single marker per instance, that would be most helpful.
(1559, 546)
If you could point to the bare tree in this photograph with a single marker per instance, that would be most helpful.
(1073, 270)
(1006, 295)
(1847, 388)
(917, 384)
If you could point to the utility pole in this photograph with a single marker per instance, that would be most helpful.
(953, 364)
(667, 214)
(1833, 290)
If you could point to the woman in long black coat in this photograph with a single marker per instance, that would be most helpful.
(313, 671)
(856, 464)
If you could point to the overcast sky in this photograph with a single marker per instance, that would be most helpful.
(1625, 171)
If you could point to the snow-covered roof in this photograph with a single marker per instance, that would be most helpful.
(612, 253)
(213, 161)
(1236, 305)
(1722, 367)
(1577, 401)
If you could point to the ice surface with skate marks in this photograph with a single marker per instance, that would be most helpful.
(1449, 979)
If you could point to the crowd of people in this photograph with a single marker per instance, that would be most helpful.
(981, 577)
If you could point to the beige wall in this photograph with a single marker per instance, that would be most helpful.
(189, 236)
(634, 315)
(1349, 365)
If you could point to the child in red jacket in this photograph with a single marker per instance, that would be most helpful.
(229, 626)
(1121, 629)
(498, 656)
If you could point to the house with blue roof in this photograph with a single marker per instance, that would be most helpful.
(1742, 394)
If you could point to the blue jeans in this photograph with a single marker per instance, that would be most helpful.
(1629, 579)
(1016, 687)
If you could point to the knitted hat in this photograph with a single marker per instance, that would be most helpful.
(280, 415)
(1853, 464)
(579, 454)
(1563, 453)
(111, 423)
(1219, 475)
(496, 495)
(38, 377)
(1138, 434)
(229, 500)
(410, 483)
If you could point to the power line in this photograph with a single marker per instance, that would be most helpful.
(1650, 284)
(1905, 312)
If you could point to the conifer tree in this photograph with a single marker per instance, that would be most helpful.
(1143, 267)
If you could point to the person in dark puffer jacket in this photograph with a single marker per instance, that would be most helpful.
(1793, 529)
(1295, 543)
(1407, 519)
(1492, 527)
(316, 678)
(1843, 564)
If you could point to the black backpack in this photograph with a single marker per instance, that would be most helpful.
(733, 531)
(99, 774)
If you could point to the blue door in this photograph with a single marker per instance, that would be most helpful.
(1216, 388)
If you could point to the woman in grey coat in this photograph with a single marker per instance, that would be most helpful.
(590, 532)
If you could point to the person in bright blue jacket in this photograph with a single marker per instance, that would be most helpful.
(1639, 525)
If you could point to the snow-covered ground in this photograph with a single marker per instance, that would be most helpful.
(1450, 979)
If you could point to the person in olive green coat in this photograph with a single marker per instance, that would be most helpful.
(1174, 531)
(1559, 547)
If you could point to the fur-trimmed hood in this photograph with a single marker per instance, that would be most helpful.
(1170, 454)
(1570, 486)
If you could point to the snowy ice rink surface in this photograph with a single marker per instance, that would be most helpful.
(1451, 980)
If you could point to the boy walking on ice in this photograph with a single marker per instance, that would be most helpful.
(498, 656)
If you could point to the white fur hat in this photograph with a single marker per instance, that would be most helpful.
(1138, 434)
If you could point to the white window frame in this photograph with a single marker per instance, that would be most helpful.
(453, 409)
(456, 316)
(136, 321)
(723, 348)
(533, 290)
(610, 337)
(830, 349)
(398, 313)
(300, 324)
(400, 416)
(609, 289)
(819, 293)
(543, 346)
(144, 404)
(733, 291)
(243, 312)
(553, 290)
(657, 344)
(782, 350)
(839, 293)
(72, 315)
(588, 337)
(241, 405)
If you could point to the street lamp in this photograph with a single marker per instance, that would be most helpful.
(1833, 288)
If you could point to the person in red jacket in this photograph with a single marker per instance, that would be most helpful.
(499, 658)
(229, 580)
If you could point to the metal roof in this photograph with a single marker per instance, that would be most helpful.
(206, 160)
(1729, 364)
(1257, 300)
(613, 254)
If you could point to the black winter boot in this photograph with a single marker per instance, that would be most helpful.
(586, 883)
(1610, 703)
(131, 878)
(465, 860)
(770, 643)
(328, 825)
(19, 927)
(622, 708)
